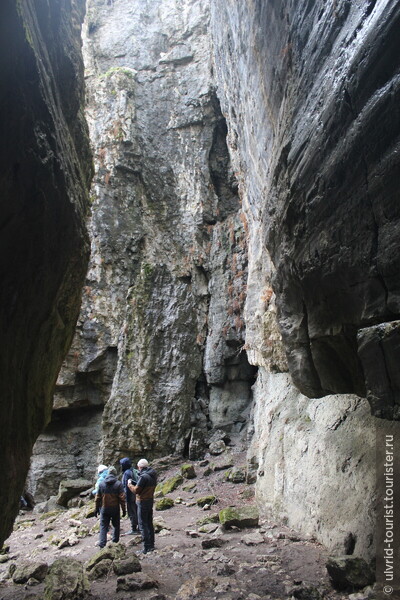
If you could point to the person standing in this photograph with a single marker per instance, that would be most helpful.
(144, 490)
(132, 474)
(109, 498)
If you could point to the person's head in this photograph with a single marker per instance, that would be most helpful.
(142, 464)
(112, 471)
(125, 464)
(101, 468)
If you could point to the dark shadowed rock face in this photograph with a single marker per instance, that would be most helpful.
(312, 93)
(45, 171)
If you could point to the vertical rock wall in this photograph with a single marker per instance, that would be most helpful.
(160, 339)
(199, 264)
(310, 92)
(45, 174)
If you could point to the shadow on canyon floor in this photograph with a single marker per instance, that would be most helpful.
(268, 561)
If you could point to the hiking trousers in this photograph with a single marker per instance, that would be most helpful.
(107, 515)
(132, 512)
(145, 518)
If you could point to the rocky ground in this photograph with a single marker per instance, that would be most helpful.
(191, 560)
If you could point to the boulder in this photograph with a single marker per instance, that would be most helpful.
(69, 488)
(204, 500)
(236, 475)
(111, 552)
(28, 570)
(196, 587)
(246, 516)
(126, 566)
(66, 580)
(138, 582)
(217, 448)
(101, 569)
(188, 471)
(164, 504)
(169, 485)
(349, 572)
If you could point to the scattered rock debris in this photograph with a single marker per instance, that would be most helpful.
(227, 553)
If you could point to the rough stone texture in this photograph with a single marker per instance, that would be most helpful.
(311, 91)
(69, 488)
(349, 573)
(161, 333)
(68, 448)
(316, 460)
(26, 570)
(45, 172)
(66, 580)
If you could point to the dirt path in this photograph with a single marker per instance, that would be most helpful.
(267, 562)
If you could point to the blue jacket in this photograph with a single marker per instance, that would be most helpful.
(128, 473)
(100, 478)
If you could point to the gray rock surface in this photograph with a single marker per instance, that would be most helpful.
(307, 450)
(160, 337)
(45, 174)
(310, 94)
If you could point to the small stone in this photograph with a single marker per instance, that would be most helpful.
(253, 539)
(212, 543)
(193, 534)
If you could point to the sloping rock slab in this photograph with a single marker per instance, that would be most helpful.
(69, 488)
(349, 572)
(66, 580)
(242, 517)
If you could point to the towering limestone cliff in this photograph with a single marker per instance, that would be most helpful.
(243, 271)
(45, 174)
(310, 91)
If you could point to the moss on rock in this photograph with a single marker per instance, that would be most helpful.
(164, 504)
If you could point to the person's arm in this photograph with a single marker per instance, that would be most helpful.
(121, 500)
(98, 502)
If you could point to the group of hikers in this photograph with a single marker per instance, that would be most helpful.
(135, 493)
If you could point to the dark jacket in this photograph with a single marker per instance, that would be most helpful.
(110, 494)
(146, 485)
(128, 473)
